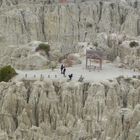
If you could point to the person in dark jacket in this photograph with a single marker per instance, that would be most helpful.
(81, 79)
(64, 71)
(62, 67)
(70, 76)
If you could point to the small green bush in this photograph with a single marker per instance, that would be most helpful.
(133, 44)
(44, 47)
(6, 73)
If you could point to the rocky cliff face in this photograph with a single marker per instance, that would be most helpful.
(127, 48)
(49, 110)
(67, 23)
(23, 57)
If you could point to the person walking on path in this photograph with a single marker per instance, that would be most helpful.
(62, 67)
(70, 76)
(64, 71)
(81, 79)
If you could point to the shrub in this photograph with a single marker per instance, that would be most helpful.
(68, 63)
(44, 47)
(63, 58)
(133, 44)
(89, 25)
(95, 44)
(6, 73)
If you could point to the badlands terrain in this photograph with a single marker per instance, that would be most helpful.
(39, 103)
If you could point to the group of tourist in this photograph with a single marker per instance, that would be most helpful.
(63, 71)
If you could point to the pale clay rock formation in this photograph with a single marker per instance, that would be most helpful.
(113, 45)
(24, 57)
(50, 110)
(105, 23)
(24, 20)
(70, 111)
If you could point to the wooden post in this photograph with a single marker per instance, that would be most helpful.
(90, 63)
(101, 64)
(138, 27)
(86, 62)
